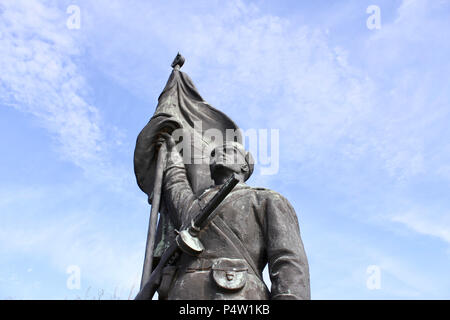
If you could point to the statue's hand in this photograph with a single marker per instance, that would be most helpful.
(170, 142)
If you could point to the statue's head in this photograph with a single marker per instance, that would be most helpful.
(230, 158)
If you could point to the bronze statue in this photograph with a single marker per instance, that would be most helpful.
(223, 255)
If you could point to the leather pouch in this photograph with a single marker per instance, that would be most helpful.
(229, 274)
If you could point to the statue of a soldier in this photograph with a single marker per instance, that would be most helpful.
(251, 227)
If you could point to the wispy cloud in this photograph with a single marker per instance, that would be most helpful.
(435, 225)
(242, 60)
(40, 76)
(359, 127)
(62, 235)
(406, 58)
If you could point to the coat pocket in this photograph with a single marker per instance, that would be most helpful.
(229, 274)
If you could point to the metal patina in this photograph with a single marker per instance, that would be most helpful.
(215, 233)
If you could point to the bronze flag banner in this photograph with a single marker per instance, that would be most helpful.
(180, 106)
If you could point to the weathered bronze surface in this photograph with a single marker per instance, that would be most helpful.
(252, 227)
(187, 241)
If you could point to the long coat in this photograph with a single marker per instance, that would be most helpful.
(253, 227)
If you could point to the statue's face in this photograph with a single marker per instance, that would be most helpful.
(226, 160)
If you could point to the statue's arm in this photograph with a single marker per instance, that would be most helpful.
(178, 194)
(288, 265)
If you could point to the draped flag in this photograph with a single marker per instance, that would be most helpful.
(180, 106)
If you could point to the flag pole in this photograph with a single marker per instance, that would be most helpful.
(156, 200)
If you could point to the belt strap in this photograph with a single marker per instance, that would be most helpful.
(218, 221)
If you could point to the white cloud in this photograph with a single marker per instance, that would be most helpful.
(436, 224)
(414, 283)
(388, 117)
(339, 260)
(35, 225)
(242, 60)
(40, 76)
(407, 60)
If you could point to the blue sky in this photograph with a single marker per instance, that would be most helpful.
(362, 115)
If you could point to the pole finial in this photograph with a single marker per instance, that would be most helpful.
(178, 61)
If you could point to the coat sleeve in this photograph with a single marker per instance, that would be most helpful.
(288, 265)
(179, 198)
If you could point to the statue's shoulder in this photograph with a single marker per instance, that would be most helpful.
(241, 187)
(263, 190)
(268, 194)
(260, 189)
(257, 190)
(244, 190)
